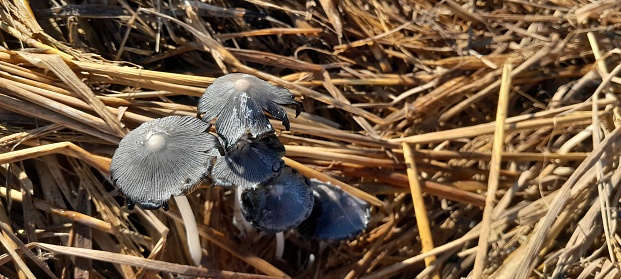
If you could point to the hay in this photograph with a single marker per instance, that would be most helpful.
(533, 195)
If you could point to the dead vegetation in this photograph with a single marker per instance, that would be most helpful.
(404, 106)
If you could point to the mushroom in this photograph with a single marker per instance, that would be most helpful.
(278, 204)
(336, 215)
(238, 101)
(249, 162)
(165, 157)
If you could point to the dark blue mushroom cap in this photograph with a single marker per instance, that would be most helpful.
(238, 101)
(165, 157)
(279, 204)
(336, 215)
(249, 162)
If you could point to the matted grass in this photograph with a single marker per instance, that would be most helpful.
(497, 121)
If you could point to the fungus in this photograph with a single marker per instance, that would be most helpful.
(278, 204)
(336, 215)
(170, 156)
(249, 162)
(238, 101)
(165, 157)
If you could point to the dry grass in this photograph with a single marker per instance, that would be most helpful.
(533, 195)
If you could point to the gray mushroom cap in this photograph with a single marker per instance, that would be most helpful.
(162, 158)
(336, 214)
(279, 204)
(238, 101)
(249, 162)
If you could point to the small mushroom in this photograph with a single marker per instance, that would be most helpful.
(336, 214)
(249, 162)
(238, 101)
(279, 204)
(165, 157)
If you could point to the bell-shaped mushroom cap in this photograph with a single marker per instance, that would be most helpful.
(249, 162)
(279, 204)
(163, 158)
(238, 101)
(336, 215)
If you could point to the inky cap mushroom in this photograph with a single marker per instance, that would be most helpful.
(279, 204)
(249, 162)
(162, 158)
(336, 214)
(238, 101)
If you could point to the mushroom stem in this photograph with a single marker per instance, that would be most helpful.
(240, 222)
(191, 229)
(280, 245)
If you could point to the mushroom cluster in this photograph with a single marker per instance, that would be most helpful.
(170, 156)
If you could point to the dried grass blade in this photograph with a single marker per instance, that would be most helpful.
(396, 268)
(338, 95)
(463, 13)
(594, 9)
(477, 97)
(69, 214)
(58, 66)
(422, 221)
(81, 236)
(270, 31)
(34, 111)
(346, 187)
(27, 37)
(339, 135)
(216, 49)
(145, 263)
(333, 16)
(5, 258)
(175, 89)
(488, 128)
(22, 268)
(444, 191)
(230, 246)
(25, 73)
(585, 237)
(142, 74)
(608, 147)
(317, 153)
(66, 148)
(32, 84)
(25, 250)
(8, 87)
(506, 156)
(271, 59)
(73, 102)
(494, 173)
(10, 246)
(11, 141)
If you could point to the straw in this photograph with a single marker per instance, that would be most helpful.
(490, 201)
(422, 222)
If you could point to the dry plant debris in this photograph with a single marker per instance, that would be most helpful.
(535, 195)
